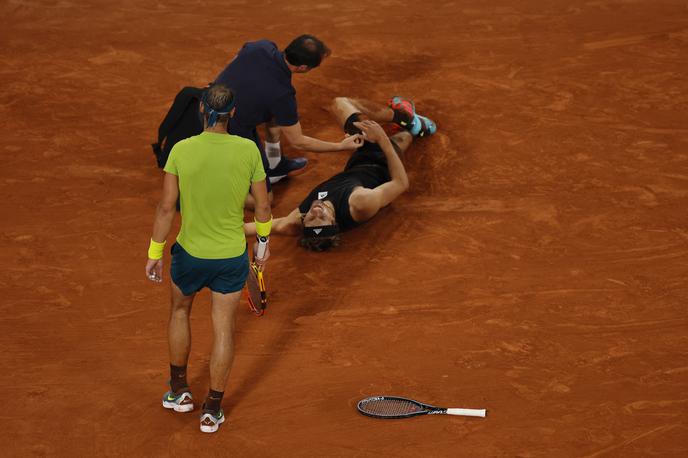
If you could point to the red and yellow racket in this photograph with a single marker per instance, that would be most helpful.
(256, 292)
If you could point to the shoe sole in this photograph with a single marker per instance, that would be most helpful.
(277, 179)
(214, 428)
(183, 408)
(271, 171)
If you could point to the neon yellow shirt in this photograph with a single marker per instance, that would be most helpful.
(215, 173)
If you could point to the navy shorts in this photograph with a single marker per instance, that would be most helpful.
(192, 274)
(369, 154)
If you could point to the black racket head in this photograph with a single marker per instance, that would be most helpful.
(391, 407)
(256, 291)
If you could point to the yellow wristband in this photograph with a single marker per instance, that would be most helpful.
(263, 229)
(155, 249)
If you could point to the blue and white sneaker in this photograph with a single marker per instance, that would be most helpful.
(211, 421)
(182, 402)
(422, 126)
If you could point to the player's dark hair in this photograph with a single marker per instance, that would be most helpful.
(219, 98)
(306, 50)
(319, 244)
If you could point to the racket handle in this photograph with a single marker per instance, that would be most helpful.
(262, 247)
(467, 412)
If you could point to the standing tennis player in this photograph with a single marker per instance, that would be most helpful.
(211, 173)
(373, 177)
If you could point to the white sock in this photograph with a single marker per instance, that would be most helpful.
(274, 152)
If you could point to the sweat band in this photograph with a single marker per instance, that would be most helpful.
(213, 113)
(155, 249)
(263, 229)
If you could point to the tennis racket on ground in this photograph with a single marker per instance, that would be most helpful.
(389, 407)
(256, 291)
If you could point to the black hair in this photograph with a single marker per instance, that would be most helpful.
(319, 244)
(220, 99)
(306, 50)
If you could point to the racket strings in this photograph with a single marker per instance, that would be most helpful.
(254, 292)
(391, 407)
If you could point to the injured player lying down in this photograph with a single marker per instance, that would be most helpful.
(373, 177)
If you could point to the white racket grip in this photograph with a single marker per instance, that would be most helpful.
(467, 412)
(262, 247)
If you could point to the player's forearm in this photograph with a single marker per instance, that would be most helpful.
(279, 226)
(262, 212)
(164, 215)
(250, 229)
(397, 172)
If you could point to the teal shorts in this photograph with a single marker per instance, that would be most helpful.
(192, 274)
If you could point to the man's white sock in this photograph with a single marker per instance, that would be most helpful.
(274, 152)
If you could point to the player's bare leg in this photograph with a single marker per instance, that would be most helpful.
(273, 151)
(272, 132)
(344, 107)
(221, 358)
(402, 140)
(179, 327)
(375, 111)
(223, 313)
(179, 398)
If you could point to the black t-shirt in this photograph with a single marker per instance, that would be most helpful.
(261, 81)
(338, 189)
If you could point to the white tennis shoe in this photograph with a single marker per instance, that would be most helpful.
(210, 422)
(182, 402)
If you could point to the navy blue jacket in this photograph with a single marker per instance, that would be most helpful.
(261, 81)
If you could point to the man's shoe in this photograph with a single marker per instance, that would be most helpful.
(178, 402)
(274, 180)
(286, 166)
(422, 126)
(404, 111)
(211, 421)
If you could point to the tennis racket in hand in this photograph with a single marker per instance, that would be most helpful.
(256, 291)
(389, 407)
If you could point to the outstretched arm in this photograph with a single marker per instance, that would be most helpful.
(287, 225)
(364, 203)
(298, 140)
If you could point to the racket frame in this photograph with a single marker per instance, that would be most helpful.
(426, 409)
(258, 309)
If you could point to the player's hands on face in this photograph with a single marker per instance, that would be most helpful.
(154, 270)
(260, 262)
(372, 131)
(352, 142)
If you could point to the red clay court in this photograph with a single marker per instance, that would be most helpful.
(537, 267)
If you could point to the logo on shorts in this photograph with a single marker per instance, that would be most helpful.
(317, 231)
(322, 195)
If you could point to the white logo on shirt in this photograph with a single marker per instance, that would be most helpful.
(322, 195)
(317, 231)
